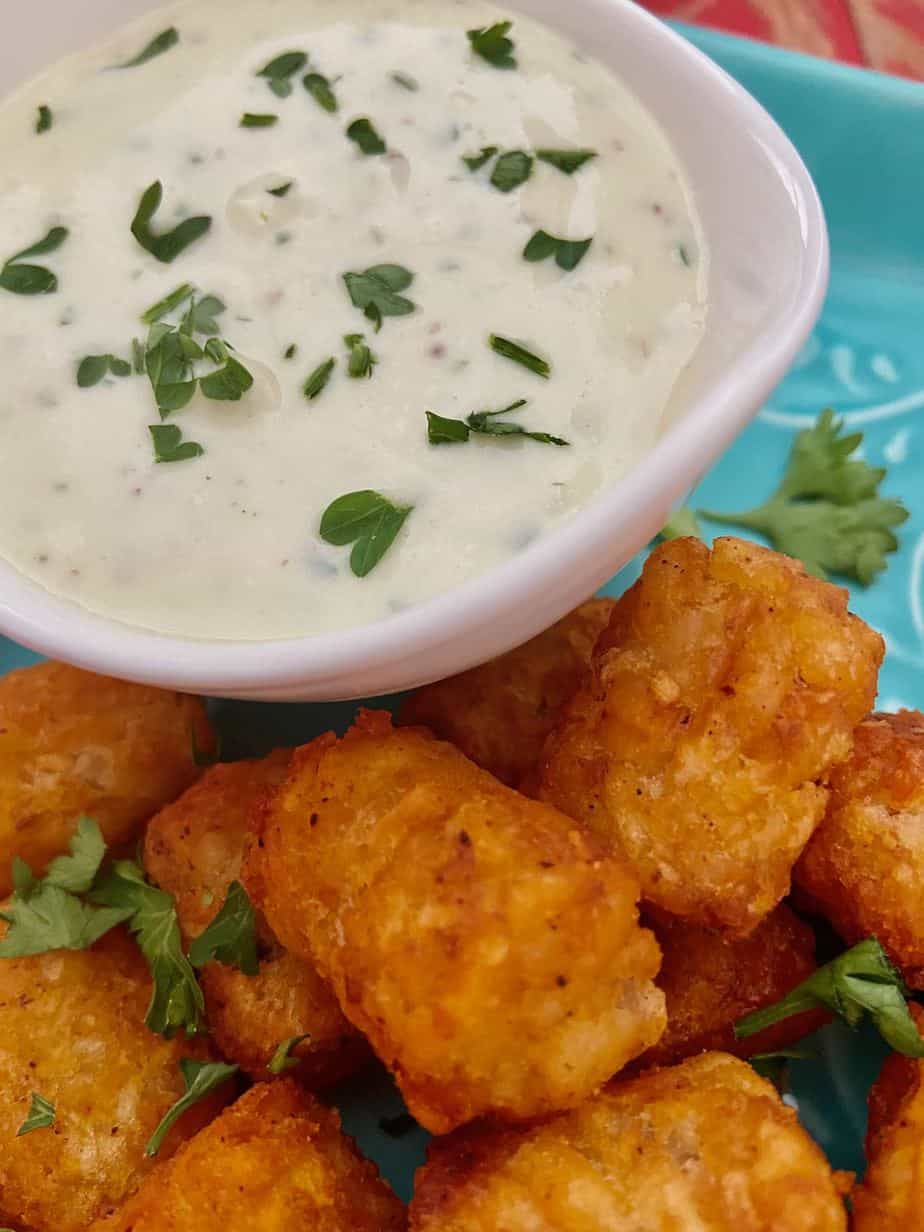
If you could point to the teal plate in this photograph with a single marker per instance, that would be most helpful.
(862, 136)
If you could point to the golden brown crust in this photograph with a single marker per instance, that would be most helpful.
(273, 1162)
(710, 981)
(725, 689)
(864, 868)
(72, 1028)
(705, 1145)
(194, 848)
(501, 713)
(72, 743)
(486, 946)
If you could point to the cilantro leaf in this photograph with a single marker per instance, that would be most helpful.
(158, 45)
(826, 511)
(282, 1058)
(512, 169)
(475, 162)
(200, 318)
(317, 382)
(568, 253)
(859, 982)
(169, 445)
(280, 69)
(168, 245)
(26, 279)
(375, 291)
(229, 383)
(231, 938)
(44, 119)
(76, 871)
(492, 44)
(519, 355)
(364, 134)
(49, 918)
(681, 524)
(362, 361)
(41, 1115)
(566, 161)
(200, 1078)
(92, 369)
(323, 94)
(366, 519)
(176, 1000)
(251, 119)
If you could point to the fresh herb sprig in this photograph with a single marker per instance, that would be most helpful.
(442, 431)
(368, 520)
(282, 1059)
(23, 278)
(167, 245)
(231, 937)
(492, 44)
(376, 291)
(200, 1079)
(41, 1115)
(280, 71)
(568, 254)
(156, 47)
(519, 355)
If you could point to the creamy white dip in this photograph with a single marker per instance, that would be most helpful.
(227, 544)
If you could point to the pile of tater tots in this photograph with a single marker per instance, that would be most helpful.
(549, 896)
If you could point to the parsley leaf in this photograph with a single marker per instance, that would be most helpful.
(76, 871)
(362, 361)
(280, 69)
(281, 190)
(158, 45)
(858, 982)
(366, 519)
(442, 431)
(405, 81)
(486, 423)
(520, 355)
(475, 162)
(200, 1078)
(26, 279)
(566, 161)
(176, 1001)
(363, 133)
(41, 1115)
(169, 445)
(92, 369)
(201, 316)
(229, 383)
(681, 524)
(44, 119)
(322, 92)
(251, 119)
(375, 291)
(319, 378)
(168, 303)
(827, 511)
(511, 170)
(492, 44)
(282, 1059)
(231, 938)
(568, 253)
(167, 246)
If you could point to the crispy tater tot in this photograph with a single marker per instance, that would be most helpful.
(72, 743)
(710, 980)
(275, 1161)
(864, 867)
(501, 713)
(194, 849)
(486, 945)
(706, 1145)
(72, 1029)
(891, 1198)
(725, 688)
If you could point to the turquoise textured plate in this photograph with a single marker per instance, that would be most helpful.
(862, 136)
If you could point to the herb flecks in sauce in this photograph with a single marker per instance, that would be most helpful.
(281, 189)
(169, 445)
(362, 361)
(363, 132)
(366, 519)
(168, 303)
(511, 170)
(568, 253)
(520, 355)
(168, 245)
(376, 292)
(475, 162)
(442, 431)
(281, 69)
(493, 45)
(317, 382)
(158, 45)
(43, 119)
(251, 119)
(92, 369)
(405, 81)
(323, 94)
(23, 278)
(566, 161)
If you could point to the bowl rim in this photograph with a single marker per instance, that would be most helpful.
(332, 665)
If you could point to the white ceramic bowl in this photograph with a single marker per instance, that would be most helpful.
(769, 263)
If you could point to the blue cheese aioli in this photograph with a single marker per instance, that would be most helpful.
(227, 544)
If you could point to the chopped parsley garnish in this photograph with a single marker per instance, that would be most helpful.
(323, 94)
(441, 431)
(176, 297)
(568, 253)
(475, 162)
(281, 70)
(26, 279)
(282, 1058)
(683, 255)
(376, 289)
(366, 519)
(519, 355)
(281, 190)
(405, 81)
(201, 316)
(169, 445)
(167, 246)
(364, 134)
(44, 119)
(200, 1078)
(251, 119)
(290, 351)
(319, 378)
(231, 938)
(567, 161)
(511, 170)
(362, 361)
(230, 382)
(492, 44)
(41, 1115)
(158, 45)
(92, 369)
(859, 982)
(827, 511)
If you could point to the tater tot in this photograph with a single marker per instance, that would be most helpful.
(706, 1145)
(710, 981)
(487, 946)
(72, 743)
(194, 849)
(864, 868)
(501, 713)
(72, 1029)
(891, 1197)
(726, 687)
(275, 1161)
